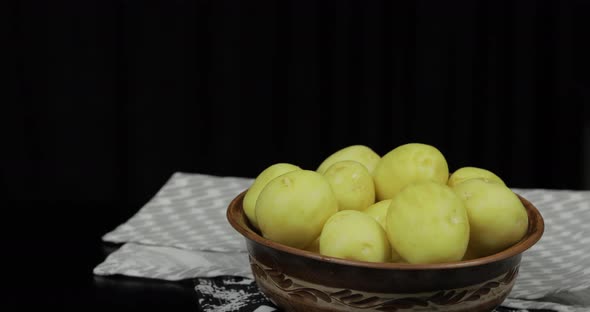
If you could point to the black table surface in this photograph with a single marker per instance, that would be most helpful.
(51, 249)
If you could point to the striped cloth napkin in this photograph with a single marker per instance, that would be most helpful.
(182, 233)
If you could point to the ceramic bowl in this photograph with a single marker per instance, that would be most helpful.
(299, 280)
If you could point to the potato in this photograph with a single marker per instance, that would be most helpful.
(468, 173)
(292, 208)
(427, 223)
(469, 254)
(379, 212)
(409, 163)
(352, 184)
(314, 246)
(360, 153)
(259, 183)
(497, 217)
(353, 235)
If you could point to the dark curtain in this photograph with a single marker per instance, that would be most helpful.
(108, 98)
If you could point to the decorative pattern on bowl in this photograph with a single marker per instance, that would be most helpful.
(277, 284)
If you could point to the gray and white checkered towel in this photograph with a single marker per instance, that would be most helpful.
(183, 233)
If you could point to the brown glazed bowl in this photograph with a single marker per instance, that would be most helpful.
(299, 280)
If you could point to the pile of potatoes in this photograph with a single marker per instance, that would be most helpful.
(402, 207)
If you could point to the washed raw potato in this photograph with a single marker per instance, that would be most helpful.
(353, 235)
(314, 246)
(427, 223)
(360, 153)
(379, 212)
(409, 163)
(497, 217)
(259, 183)
(468, 173)
(469, 254)
(352, 184)
(292, 208)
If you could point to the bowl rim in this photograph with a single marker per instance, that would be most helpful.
(534, 232)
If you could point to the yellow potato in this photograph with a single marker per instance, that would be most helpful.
(427, 223)
(379, 212)
(497, 217)
(353, 235)
(470, 254)
(292, 208)
(352, 184)
(314, 246)
(409, 163)
(360, 153)
(259, 183)
(468, 173)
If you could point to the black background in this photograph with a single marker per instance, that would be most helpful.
(106, 99)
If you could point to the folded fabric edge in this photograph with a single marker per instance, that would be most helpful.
(149, 243)
(185, 173)
(575, 296)
(204, 273)
(169, 263)
(541, 305)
